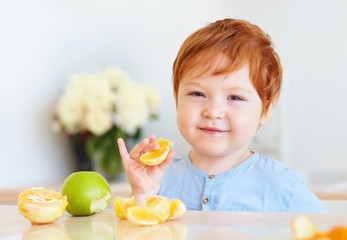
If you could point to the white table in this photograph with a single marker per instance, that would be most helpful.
(193, 225)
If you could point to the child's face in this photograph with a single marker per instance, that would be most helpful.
(219, 115)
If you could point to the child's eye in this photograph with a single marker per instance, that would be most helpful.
(235, 98)
(197, 94)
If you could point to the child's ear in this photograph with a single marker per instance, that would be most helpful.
(266, 116)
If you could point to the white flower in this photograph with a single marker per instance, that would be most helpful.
(97, 102)
(98, 92)
(132, 110)
(117, 77)
(84, 92)
(98, 121)
(70, 110)
(95, 89)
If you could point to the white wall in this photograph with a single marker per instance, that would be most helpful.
(42, 42)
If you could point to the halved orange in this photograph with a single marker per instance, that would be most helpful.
(40, 205)
(121, 205)
(156, 157)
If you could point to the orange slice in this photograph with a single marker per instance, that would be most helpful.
(41, 205)
(338, 233)
(156, 157)
(161, 208)
(177, 207)
(142, 215)
(121, 205)
(304, 228)
(156, 198)
(158, 209)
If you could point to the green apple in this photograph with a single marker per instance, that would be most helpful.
(87, 193)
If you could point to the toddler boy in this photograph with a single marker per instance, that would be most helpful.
(226, 79)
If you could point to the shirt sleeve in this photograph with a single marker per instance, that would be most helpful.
(305, 201)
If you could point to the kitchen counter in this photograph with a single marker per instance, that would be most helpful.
(193, 225)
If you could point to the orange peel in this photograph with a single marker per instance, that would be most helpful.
(41, 206)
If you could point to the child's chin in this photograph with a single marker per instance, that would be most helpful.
(212, 151)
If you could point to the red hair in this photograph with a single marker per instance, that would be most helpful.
(241, 42)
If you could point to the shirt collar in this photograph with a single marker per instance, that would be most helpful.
(228, 173)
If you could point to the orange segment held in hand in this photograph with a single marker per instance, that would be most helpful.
(157, 156)
(41, 205)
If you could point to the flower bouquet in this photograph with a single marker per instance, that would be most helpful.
(96, 109)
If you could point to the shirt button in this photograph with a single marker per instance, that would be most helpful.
(205, 200)
(211, 176)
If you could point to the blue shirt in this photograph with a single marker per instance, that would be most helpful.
(258, 184)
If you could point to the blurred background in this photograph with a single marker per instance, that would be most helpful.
(43, 42)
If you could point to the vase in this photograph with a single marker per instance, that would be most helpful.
(99, 153)
(83, 163)
(111, 167)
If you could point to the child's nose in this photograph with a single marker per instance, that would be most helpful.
(213, 111)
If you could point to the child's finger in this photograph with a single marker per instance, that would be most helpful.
(138, 149)
(164, 165)
(150, 147)
(123, 151)
(152, 138)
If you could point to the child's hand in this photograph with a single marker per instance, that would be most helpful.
(144, 180)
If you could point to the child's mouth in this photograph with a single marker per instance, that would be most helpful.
(209, 130)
